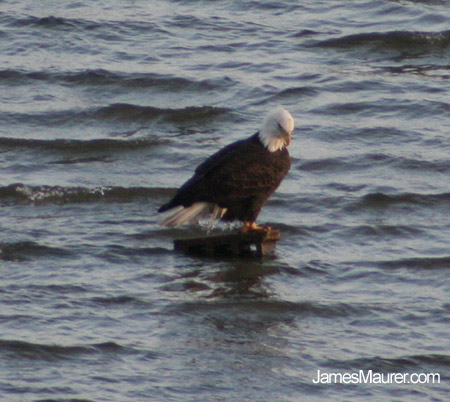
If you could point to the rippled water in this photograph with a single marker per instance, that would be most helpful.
(106, 107)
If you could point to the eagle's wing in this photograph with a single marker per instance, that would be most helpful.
(238, 171)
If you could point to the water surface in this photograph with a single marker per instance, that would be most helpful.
(106, 109)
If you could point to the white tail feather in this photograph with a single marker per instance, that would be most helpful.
(217, 213)
(179, 215)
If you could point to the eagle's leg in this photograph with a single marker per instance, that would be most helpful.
(248, 226)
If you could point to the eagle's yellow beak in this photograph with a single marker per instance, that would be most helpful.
(287, 138)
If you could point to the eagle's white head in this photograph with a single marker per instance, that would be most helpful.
(276, 129)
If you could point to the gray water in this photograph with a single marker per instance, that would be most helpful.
(106, 108)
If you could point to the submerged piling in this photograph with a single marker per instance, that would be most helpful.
(255, 243)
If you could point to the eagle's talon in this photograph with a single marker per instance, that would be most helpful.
(250, 226)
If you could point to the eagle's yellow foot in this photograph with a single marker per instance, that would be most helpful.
(248, 226)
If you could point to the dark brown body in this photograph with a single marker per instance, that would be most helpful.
(240, 177)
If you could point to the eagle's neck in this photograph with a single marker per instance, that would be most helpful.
(271, 142)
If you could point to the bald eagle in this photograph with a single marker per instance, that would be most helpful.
(235, 182)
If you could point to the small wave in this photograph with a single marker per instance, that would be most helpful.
(287, 230)
(20, 193)
(122, 300)
(328, 164)
(439, 262)
(305, 32)
(379, 231)
(116, 252)
(60, 289)
(294, 93)
(406, 108)
(371, 160)
(397, 40)
(101, 77)
(382, 200)
(24, 250)
(438, 166)
(391, 365)
(56, 352)
(53, 22)
(73, 161)
(127, 112)
(277, 307)
(120, 112)
(81, 146)
(64, 400)
(430, 70)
